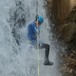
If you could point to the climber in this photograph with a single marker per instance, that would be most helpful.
(33, 29)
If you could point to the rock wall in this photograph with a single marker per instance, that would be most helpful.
(73, 3)
(63, 14)
(62, 9)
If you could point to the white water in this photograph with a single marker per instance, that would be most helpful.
(23, 61)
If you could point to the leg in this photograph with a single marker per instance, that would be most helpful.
(47, 50)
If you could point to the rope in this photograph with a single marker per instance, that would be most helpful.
(37, 38)
(36, 8)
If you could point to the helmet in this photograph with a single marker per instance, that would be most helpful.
(40, 19)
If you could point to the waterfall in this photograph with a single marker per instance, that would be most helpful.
(21, 60)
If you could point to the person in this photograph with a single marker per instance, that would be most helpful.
(33, 29)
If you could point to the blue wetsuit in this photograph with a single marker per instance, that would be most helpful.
(32, 33)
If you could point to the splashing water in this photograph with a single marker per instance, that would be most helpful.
(22, 60)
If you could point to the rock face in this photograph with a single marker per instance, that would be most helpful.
(61, 9)
(68, 30)
(73, 3)
(66, 26)
(64, 16)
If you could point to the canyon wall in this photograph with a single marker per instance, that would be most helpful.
(62, 9)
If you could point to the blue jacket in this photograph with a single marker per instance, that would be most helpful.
(32, 32)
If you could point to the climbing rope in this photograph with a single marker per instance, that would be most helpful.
(36, 8)
(37, 38)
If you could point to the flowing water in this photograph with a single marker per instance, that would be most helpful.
(22, 60)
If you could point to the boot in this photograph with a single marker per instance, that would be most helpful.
(47, 62)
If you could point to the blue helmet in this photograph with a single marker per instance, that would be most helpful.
(40, 19)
